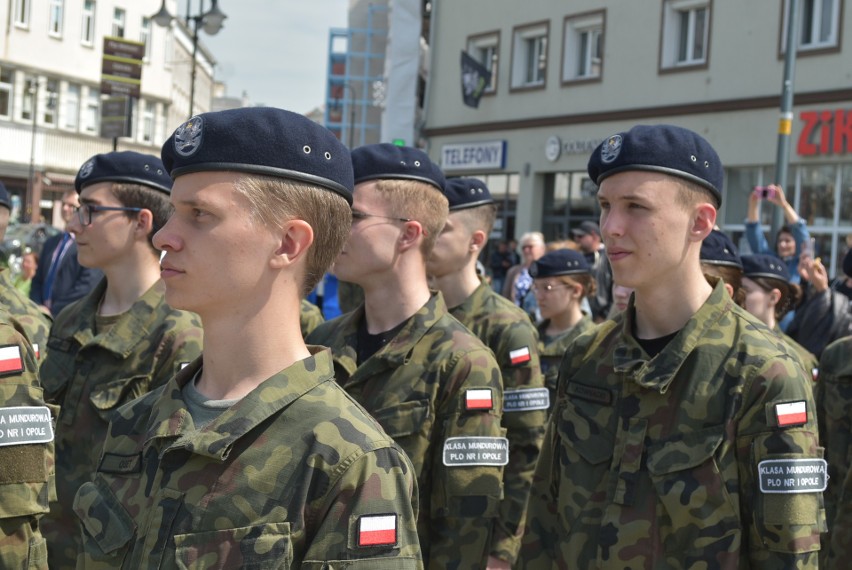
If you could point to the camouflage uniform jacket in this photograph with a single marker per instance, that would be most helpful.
(436, 389)
(294, 475)
(90, 375)
(809, 361)
(673, 462)
(505, 328)
(551, 353)
(25, 315)
(310, 317)
(834, 410)
(26, 453)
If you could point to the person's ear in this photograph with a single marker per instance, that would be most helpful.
(775, 296)
(296, 236)
(703, 221)
(478, 240)
(411, 233)
(144, 222)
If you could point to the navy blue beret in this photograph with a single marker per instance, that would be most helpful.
(264, 141)
(5, 199)
(587, 227)
(126, 166)
(559, 262)
(765, 265)
(387, 161)
(660, 148)
(847, 264)
(463, 193)
(718, 249)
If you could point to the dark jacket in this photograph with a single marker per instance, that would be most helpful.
(821, 319)
(72, 280)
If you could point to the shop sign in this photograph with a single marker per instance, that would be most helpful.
(488, 155)
(554, 147)
(825, 132)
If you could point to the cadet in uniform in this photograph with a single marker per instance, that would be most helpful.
(834, 410)
(310, 317)
(26, 453)
(119, 341)
(24, 314)
(434, 387)
(721, 260)
(506, 330)
(252, 456)
(684, 433)
(561, 280)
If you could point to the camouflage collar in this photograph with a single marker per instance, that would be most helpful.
(658, 372)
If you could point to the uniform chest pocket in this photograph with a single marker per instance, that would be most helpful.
(106, 398)
(257, 547)
(698, 512)
(107, 528)
(405, 419)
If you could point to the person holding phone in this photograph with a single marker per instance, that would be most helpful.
(792, 238)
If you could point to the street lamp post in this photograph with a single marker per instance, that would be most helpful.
(33, 91)
(211, 22)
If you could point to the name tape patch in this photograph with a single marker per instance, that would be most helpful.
(793, 475)
(791, 413)
(476, 450)
(478, 399)
(377, 530)
(589, 393)
(116, 463)
(25, 424)
(10, 359)
(526, 399)
(520, 355)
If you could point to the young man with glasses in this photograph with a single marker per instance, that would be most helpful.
(507, 331)
(431, 384)
(119, 341)
(60, 279)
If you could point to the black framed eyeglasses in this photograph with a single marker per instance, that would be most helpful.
(85, 211)
(357, 215)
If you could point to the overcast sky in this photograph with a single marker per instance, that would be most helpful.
(276, 50)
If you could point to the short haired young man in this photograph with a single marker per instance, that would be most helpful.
(27, 318)
(119, 341)
(684, 433)
(434, 387)
(252, 456)
(504, 328)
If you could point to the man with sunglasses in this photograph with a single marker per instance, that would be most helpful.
(431, 384)
(119, 341)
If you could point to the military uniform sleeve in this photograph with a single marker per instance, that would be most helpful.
(468, 460)
(782, 472)
(368, 520)
(26, 455)
(178, 347)
(526, 402)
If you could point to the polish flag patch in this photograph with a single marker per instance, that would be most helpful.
(520, 355)
(10, 359)
(37, 353)
(478, 400)
(377, 530)
(791, 413)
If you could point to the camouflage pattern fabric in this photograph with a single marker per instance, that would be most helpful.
(25, 315)
(834, 410)
(417, 386)
(809, 361)
(90, 375)
(505, 329)
(294, 475)
(310, 317)
(26, 465)
(551, 352)
(660, 463)
(349, 295)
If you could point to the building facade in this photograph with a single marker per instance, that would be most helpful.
(567, 75)
(50, 90)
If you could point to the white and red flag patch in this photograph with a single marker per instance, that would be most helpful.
(520, 355)
(791, 413)
(478, 399)
(10, 359)
(35, 349)
(377, 530)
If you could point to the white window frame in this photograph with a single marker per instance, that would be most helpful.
(57, 18)
(674, 33)
(28, 100)
(71, 119)
(119, 22)
(7, 87)
(145, 37)
(529, 49)
(91, 116)
(149, 121)
(87, 30)
(817, 13)
(583, 40)
(21, 16)
(485, 48)
(49, 109)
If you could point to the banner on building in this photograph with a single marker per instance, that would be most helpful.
(474, 78)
